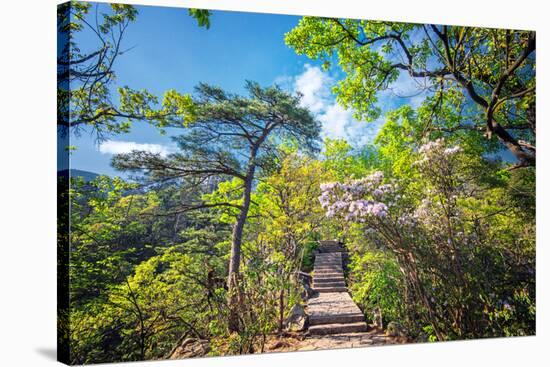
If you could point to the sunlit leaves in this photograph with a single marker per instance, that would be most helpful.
(202, 16)
(457, 69)
(86, 80)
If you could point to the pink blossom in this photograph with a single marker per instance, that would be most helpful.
(453, 150)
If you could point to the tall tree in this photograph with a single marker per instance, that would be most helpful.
(233, 137)
(475, 79)
(86, 73)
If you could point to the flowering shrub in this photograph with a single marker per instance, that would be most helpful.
(358, 199)
(445, 250)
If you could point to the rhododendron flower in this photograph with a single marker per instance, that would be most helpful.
(453, 150)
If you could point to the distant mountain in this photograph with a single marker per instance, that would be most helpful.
(87, 175)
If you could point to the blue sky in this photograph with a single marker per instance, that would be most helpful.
(168, 50)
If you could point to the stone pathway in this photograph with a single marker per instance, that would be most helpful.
(331, 310)
(347, 340)
(373, 337)
(335, 320)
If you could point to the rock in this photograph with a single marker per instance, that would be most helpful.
(297, 319)
(305, 280)
(307, 292)
(395, 329)
(190, 348)
(303, 277)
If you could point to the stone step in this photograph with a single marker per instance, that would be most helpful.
(348, 318)
(328, 264)
(337, 284)
(327, 271)
(328, 260)
(332, 260)
(338, 328)
(324, 281)
(324, 273)
(325, 267)
(327, 274)
(337, 274)
(328, 279)
(328, 268)
(339, 266)
(325, 261)
(331, 289)
(319, 281)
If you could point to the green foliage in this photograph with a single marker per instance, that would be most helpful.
(105, 219)
(202, 16)
(167, 295)
(340, 160)
(468, 79)
(308, 258)
(289, 216)
(145, 273)
(227, 192)
(132, 270)
(377, 283)
(462, 248)
(86, 79)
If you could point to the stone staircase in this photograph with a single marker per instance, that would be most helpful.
(328, 275)
(331, 310)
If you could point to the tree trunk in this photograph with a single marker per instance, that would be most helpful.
(281, 309)
(409, 263)
(235, 260)
(525, 155)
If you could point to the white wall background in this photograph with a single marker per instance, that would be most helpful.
(28, 176)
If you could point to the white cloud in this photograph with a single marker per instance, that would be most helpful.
(405, 86)
(337, 122)
(405, 90)
(119, 147)
(315, 88)
(335, 119)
